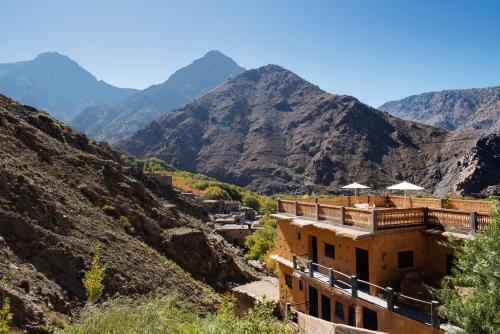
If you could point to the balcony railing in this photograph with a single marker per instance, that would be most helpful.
(425, 311)
(380, 218)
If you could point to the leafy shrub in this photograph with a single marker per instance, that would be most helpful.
(6, 315)
(214, 192)
(471, 295)
(268, 205)
(251, 201)
(92, 281)
(109, 210)
(201, 185)
(126, 225)
(261, 241)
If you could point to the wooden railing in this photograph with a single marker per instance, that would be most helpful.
(469, 205)
(306, 210)
(358, 217)
(392, 218)
(386, 218)
(330, 212)
(451, 220)
(349, 283)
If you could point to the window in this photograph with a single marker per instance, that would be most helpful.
(301, 285)
(405, 259)
(330, 251)
(339, 311)
(370, 320)
(298, 236)
(288, 280)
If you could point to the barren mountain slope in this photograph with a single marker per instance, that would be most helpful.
(272, 131)
(57, 84)
(54, 186)
(475, 109)
(116, 121)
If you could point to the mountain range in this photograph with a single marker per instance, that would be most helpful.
(271, 131)
(116, 121)
(475, 109)
(57, 84)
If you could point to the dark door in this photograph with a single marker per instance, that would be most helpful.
(369, 319)
(351, 316)
(326, 312)
(362, 267)
(313, 301)
(314, 251)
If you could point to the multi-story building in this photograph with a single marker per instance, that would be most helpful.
(345, 264)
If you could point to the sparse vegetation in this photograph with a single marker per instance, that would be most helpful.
(92, 281)
(6, 315)
(471, 295)
(214, 192)
(168, 314)
(109, 210)
(126, 225)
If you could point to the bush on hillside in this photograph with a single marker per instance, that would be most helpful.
(251, 201)
(6, 315)
(214, 192)
(92, 280)
(261, 241)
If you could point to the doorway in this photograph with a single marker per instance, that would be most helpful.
(362, 268)
(314, 251)
(313, 301)
(326, 312)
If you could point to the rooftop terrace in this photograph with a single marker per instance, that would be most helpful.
(389, 212)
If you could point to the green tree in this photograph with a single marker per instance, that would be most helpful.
(251, 201)
(471, 295)
(261, 241)
(6, 315)
(92, 281)
(214, 192)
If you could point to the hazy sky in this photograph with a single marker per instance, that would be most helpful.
(374, 50)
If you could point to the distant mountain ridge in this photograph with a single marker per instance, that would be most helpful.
(271, 131)
(474, 109)
(57, 84)
(116, 121)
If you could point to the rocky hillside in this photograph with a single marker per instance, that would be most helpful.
(116, 121)
(56, 84)
(475, 109)
(272, 131)
(61, 195)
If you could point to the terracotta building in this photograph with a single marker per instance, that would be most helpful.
(347, 265)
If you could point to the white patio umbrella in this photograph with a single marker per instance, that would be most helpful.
(405, 186)
(356, 186)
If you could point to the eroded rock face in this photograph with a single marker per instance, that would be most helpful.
(213, 261)
(61, 195)
(478, 174)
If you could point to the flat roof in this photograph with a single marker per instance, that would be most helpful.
(341, 230)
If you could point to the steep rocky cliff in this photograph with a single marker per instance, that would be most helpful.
(62, 194)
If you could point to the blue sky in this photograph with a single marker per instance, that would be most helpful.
(374, 50)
